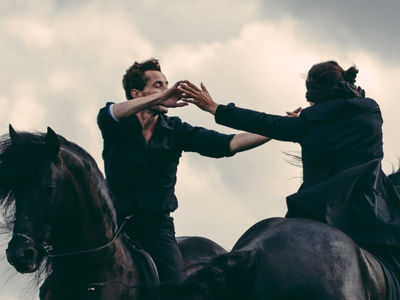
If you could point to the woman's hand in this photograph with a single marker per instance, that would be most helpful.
(294, 113)
(200, 97)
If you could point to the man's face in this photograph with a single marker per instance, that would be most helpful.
(156, 82)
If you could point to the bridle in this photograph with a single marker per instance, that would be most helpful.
(48, 250)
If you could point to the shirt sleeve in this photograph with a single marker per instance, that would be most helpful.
(107, 124)
(203, 141)
(273, 126)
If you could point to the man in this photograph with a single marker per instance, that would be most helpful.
(142, 147)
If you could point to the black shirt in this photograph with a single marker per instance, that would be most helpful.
(144, 176)
(343, 183)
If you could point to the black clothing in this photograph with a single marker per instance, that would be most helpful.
(318, 92)
(343, 184)
(144, 176)
(142, 179)
(156, 234)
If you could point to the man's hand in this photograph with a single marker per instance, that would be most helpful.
(166, 98)
(172, 96)
(200, 97)
(294, 113)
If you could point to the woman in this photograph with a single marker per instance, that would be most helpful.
(341, 140)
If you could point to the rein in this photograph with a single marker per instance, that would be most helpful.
(48, 248)
(93, 286)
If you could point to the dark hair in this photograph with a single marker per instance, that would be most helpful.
(329, 73)
(134, 76)
(328, 80)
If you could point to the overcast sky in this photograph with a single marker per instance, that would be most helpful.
(62, 60)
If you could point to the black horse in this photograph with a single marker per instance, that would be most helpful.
(282, 258)
(287, 259)
(58, 205)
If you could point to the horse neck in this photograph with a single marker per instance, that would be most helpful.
(89, 222)
(111, 265)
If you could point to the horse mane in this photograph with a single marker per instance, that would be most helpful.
(22, 159)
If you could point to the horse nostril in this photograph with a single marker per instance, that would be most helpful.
(22, 254)
(28, 254)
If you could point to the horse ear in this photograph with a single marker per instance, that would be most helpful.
(52, 143)
(13, 134)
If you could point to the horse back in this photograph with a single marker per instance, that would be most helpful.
(197, 251)
(305, 259)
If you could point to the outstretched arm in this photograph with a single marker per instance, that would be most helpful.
(289, 128)
(167, 98)
(246, 141)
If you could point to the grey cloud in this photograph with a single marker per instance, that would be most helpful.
(249, 176)
(171, 22)
(370, 25)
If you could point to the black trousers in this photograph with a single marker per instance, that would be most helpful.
(155, 231)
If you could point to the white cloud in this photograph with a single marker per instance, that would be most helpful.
(4, 107)
(106, 36)
(32, 32)
(25, 110)
(59, 81)
(208, 207)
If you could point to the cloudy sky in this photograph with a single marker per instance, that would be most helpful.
(61, 60)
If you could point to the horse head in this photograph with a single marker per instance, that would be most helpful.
(57, 204)
(29, 171)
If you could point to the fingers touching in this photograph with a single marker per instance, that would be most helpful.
(200, 97)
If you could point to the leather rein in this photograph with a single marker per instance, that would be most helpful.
(48, 249)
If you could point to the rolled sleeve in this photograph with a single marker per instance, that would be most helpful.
(272, 126)
(203, 141)
(107, 124)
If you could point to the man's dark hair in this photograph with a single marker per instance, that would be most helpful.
(134, 76)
